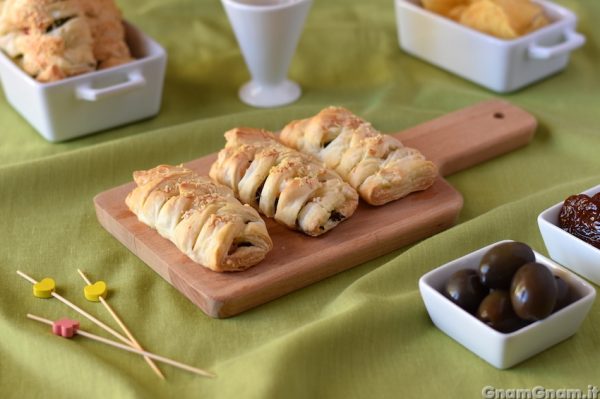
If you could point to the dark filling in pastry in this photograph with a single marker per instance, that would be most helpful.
(258, 192)
(336, 216)
(58, 23)
(237, 245)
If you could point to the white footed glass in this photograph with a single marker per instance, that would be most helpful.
(268, 32)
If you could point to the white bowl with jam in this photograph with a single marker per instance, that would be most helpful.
(567, 249)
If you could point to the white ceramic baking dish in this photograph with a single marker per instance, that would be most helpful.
(500, 65)
(94, 101)
(499, 349)
(565, 248)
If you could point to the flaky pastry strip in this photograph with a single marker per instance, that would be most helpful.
(56, 39)
(378, 166)
(294, 189)
(202, 218)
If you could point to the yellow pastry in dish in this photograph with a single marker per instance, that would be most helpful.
(108, 33)
(55, 39)
(202, 218)
(505, 19)
(444, 7)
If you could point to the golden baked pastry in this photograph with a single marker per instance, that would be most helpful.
(55, 39)
(378, 166)
(294, 189)
(202, 218)
(108, 32)
(50, 39)
(506, 19)
(444, 7)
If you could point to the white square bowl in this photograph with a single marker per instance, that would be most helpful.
(500, 65)
(499, 349)
(93, 101)
(568, 250)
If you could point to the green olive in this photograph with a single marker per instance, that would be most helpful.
(464, 288)
(499, 264)
(496, 311)
(533, 292)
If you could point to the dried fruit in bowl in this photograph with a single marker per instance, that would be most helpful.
(580, 216)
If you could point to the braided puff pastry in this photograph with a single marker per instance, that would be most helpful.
(282, 183)
(378, 166)
(55, 39)
(106, 24)
(202, 218)
(50, 39)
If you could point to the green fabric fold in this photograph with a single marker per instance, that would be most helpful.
(362, 333)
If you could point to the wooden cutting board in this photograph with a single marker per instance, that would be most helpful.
(454, 142)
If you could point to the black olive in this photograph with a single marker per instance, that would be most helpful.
(533, 292)
(465, 289)
(497, 312)
(499, 264)
(563, 294)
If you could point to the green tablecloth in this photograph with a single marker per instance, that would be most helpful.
(362, 333)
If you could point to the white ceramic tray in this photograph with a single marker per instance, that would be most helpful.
(93, 101)
(500, 65)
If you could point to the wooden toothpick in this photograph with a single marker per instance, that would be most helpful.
(136, 344)
(80, 311)
(159, 358)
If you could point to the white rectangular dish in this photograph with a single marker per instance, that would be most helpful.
(499, 349)
(568, 250)
(93, 101)
(497, 64)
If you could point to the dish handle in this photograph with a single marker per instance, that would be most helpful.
(88, 93)
(572, 41)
